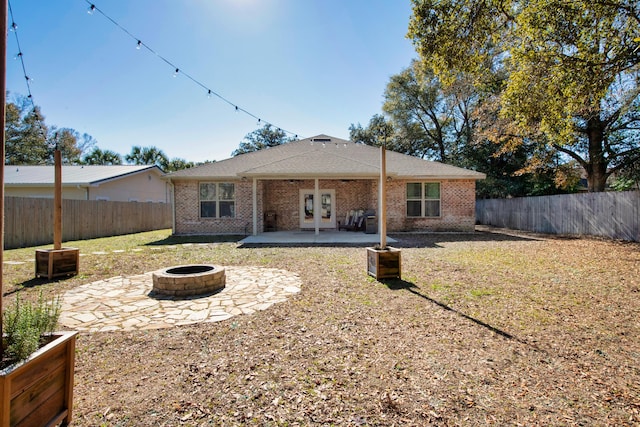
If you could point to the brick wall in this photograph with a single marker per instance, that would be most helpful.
(187, 208)
(283, 197)
(457, 206)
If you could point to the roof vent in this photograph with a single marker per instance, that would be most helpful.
(321, 139)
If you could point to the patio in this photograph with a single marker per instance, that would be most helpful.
(309, 237)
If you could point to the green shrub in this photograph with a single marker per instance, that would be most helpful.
(26, 324)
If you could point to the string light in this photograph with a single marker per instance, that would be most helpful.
(28, 80)
(20, 56)
(210, 92)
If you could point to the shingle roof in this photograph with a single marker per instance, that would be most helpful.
(71, 175)
(323, 156)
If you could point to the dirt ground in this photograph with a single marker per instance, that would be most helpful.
(490, 328)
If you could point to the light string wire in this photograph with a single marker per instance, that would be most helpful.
(14, 29)
(177, 70)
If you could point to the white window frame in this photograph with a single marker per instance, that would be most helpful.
(423, 199)
(217, 200)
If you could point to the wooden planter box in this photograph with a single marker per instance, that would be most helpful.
(384, 263)
(39, 390)
(52, 263)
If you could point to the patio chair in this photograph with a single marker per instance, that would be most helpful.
(348, 220)
(354, 221)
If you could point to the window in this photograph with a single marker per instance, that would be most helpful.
(217, 200)
(423, 199)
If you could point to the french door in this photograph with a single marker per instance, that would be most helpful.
(325, 205)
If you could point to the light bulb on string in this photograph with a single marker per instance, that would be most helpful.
(139, 44)
(18, 55)
(13, 27)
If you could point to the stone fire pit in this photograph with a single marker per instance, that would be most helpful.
(189, 280)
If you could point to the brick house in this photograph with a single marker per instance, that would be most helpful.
(315, 183)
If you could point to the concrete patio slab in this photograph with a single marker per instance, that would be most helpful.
(310, 237)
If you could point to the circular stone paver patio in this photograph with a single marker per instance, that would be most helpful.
(124, 303)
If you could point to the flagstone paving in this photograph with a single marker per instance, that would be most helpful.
(126, 303)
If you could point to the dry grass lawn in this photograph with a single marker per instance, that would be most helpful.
(490, 328)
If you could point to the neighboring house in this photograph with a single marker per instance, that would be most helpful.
(123, 183)
(322, 175)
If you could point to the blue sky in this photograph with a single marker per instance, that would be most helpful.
(307, 66)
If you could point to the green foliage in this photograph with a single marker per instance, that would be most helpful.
(421, 117)
(29, 141)
(70, 143)
(25, 323)
(25, 135)
(100, 157)
(422, 112)
(155, 156)
(176, 164)
(265, 137)
(379, 132)
(147, 156)
(572, 71)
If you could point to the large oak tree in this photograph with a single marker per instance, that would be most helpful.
(264, 137)
(572, 67)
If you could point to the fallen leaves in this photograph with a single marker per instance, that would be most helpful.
(351, 351)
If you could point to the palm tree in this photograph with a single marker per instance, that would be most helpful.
(100, 157)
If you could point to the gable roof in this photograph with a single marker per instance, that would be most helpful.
(323, 156)
(71, 175)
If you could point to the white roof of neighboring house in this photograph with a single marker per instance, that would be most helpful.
(71, 175)
(323, 156)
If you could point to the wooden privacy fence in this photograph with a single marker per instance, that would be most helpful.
(29, 221)
(611, 214)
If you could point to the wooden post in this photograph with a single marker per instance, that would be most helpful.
(58, 261)
(3, 87)
(383, 198)
(384, 262)
(57, 202)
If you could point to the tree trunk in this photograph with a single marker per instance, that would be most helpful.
(597, 173)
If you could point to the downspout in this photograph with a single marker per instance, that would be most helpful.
(86, 191)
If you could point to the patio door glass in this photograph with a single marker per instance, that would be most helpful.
(327, 209)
